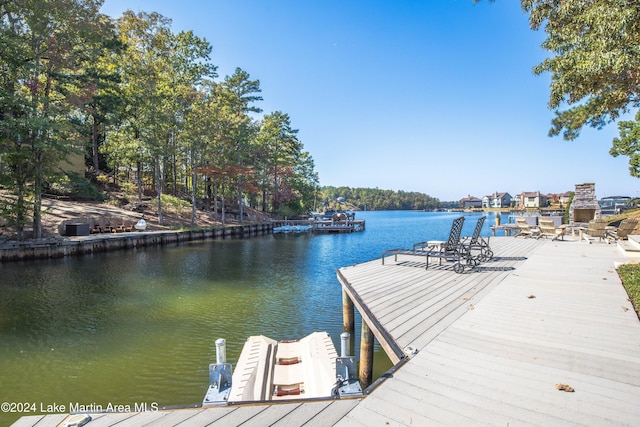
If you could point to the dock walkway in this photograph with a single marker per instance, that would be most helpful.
(484, 348)
(561, 316)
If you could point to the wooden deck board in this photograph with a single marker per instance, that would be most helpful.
(472, 409)
(522, 385)
(174, 418)
(209, 416)
(270, 415)
(101, 420)
(135, 420)
(40, 420)
(318, 414)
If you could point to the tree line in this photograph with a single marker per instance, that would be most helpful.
(146, 106)
(374, 199)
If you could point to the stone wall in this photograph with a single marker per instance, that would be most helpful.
(71, 246)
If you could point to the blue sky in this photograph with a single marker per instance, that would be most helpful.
(436, 97)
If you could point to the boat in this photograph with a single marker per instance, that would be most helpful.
(270, 370)
(292, 228)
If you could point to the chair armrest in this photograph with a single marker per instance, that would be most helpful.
(420, 245)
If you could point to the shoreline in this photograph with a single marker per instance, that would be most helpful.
(63, 246)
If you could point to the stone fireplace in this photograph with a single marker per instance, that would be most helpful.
(585, 205)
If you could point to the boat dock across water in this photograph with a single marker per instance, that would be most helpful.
(319, 225)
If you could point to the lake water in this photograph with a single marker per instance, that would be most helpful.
(139, 326)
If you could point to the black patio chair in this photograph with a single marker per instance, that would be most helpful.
(451, 250)
(478, 243)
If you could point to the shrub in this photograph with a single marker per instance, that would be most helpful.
(75, 186)
(173, 202)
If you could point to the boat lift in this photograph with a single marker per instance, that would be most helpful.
(270, 370)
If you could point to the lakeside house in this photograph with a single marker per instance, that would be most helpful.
(497, 200)
(531, 199)
(537, 200)
(470, 202)
(565, 197)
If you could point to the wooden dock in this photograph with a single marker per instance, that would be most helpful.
(338, 226)
(486, 347)
(492, 345)
(325, 225)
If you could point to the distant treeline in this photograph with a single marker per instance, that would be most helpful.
(375, 199)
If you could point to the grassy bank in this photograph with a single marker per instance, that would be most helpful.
(630, 275)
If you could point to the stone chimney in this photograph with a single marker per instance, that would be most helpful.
(585, 205)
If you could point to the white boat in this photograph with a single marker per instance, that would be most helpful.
(292, 229)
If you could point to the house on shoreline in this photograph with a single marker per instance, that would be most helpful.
(497, 200)
(470, 202)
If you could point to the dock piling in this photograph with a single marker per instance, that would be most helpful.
(366, 355)
(347, 313)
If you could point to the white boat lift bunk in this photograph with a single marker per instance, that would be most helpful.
(269, 370)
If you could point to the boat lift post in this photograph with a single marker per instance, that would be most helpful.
(221, 350)
(346, 370)
(220, 375)
(345, 344)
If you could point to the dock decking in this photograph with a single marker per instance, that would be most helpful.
(560, 317)
(485, 347)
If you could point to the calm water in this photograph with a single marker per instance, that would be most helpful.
(139, 326)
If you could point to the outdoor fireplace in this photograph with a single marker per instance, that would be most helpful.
(585, 206)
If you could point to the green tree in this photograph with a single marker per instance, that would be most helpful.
(242, 93)
(227, 146)
(628, 144)
(280, 149)
(190, 69)
(376, 199)
(595, 67)
(44, 44)
(96, 90)
(303, 183)
(160, 71)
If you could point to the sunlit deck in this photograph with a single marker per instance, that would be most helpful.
(492, 345)
(486, 347)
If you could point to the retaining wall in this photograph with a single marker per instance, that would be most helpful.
(82, 245)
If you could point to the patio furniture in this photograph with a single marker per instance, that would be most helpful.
(97, 228)
(525, 229)
(621, 232)
(451, 250)
(548, 229)
(596, 228)
(477, 243)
